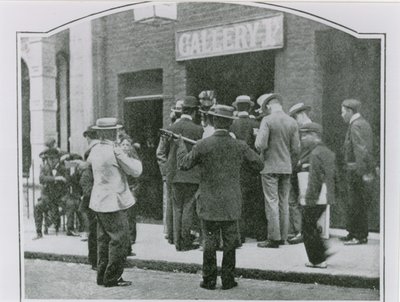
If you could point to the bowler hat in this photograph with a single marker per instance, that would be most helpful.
(353, 104)
(190, 102)
(311, 127)
(107, 123)
(264, 99)
(222, 111)
(243, 99)
(298, 108)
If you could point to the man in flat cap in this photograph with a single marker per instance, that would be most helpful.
(219, 158)
(278, 142)
(253, 222)
(359, 171)
(319, 191)
(184, 183)
(299, 112)
(53, 179)
(110, 198)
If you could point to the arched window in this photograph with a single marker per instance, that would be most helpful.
(63, 105)
(26, 119)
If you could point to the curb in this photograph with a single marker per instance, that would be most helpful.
(192, 268)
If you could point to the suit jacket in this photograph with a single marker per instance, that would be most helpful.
(220, 158)
(358, 147)
(243, 129)
(322, 170)
(51, 187)
(278, 141)
(189, 129)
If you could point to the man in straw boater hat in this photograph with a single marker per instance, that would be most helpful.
(184, 183)
(299, 112)
(278, 142)
(219, 158)
(110, 198)
(319, 191)
(253, 223)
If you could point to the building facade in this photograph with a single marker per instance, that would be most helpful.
(114, 66)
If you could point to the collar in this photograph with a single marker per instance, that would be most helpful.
(243, 114)
(186, 116)
(221, 132)
(354, 117)
(93, 142)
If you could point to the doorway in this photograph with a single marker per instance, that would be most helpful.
(233, 75)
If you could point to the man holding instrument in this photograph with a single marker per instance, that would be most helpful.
(184, 183)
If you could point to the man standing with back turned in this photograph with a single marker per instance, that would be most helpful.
(220, 158)
(278, 142)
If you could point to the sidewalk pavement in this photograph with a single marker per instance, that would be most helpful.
(350, 266)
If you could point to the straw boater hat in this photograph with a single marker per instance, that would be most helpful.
(107, 123)
(223, 111)
(243, 99)
(264, 99)
(299, 107)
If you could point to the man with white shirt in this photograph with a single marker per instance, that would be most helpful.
(110, 198)
(359, 171)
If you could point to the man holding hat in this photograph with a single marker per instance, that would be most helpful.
(299, 112)
(219, 158)
(53, 178)
(321, 175)
(253, 222)
(359, 171)
(110, 198)
(278, 142)
(184, 183)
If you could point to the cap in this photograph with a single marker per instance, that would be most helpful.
(298, 108)
(243, 99)
(311, 127)
(353, 104)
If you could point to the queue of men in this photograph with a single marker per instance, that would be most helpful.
(227, 176)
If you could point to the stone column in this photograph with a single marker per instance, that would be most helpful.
(43, 103)
(81, 84)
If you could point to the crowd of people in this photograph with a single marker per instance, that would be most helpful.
(227, 174)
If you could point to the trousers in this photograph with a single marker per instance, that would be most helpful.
(112, 240)
(91, 228)
(212, 231)
(276, 193)
(47, 208)
(314, 244)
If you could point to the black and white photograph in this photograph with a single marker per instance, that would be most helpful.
(200, 151)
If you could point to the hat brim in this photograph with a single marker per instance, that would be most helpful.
(303, 108)
(223, 116)
(107, 127)
(235, 103)
(265, 102)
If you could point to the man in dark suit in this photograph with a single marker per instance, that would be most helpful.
(278, 142)
(320, 191)
(184, 183)
(219, 158)
(359, 171)
(253, 222)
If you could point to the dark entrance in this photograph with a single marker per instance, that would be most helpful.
(349, 71)
(230, 76)
(26, 120)
(142, 112)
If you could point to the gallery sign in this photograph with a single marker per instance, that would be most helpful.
(246, 36)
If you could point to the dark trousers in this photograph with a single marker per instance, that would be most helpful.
(314, 244)
(212, 231)
(183, 205)
(357, 206)
(47, 209)
(72, 208)
(112, 239)
(169, 212)
(294, 206)
(91, 227)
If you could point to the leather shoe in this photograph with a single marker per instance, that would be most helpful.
(356, 241)
(38, 236)
(346, 238)
(229, 285)
(208, 285)
(269, 244)
(318, 265)
(120, 282)
(70, 233)
(296, 239)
